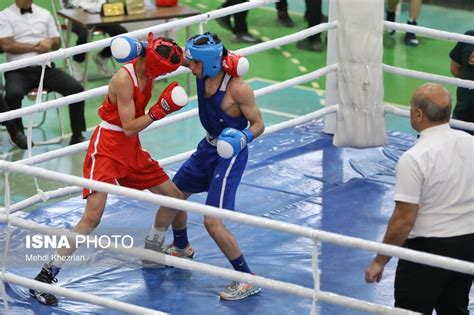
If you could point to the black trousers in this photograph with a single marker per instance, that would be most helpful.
(112, 30)
(313, 13)
(240, 19)
(422, 288)
(4, 108)
(19, 82)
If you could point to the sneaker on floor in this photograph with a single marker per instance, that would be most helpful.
(311, 45)
(77, 71)
(245, 38)
(77, 139)
(152, 244)
(285, 20)
(186, 252)
(47, 275)
(238, 291)
(102, 66)
(411, 40)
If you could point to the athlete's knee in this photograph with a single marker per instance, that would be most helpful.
(91, 220)
(212, 225)
(177, 193)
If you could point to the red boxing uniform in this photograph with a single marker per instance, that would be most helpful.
(113, 157)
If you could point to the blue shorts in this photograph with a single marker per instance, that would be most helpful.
(205, 170)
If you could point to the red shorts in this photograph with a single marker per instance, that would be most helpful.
(113, 157)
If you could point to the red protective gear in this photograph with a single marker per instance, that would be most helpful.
(234, 64)
(173, 98)
(157, 65)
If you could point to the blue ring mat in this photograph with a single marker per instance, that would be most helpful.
(295, 176)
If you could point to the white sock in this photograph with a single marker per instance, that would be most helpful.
(157, 234)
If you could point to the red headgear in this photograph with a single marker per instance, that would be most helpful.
(157, 64)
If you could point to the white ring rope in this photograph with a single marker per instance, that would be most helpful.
(393, 109)
(429, 32)
(468, 84)
(61, 192)
(180, 116)
(389, 250)
(82, 96)
(71, 190)
(76, 295)
(173, 25)
(216, 271)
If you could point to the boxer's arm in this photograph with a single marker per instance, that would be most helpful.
(243, 95)
(122, 88)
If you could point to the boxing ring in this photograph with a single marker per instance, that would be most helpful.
(297, 193)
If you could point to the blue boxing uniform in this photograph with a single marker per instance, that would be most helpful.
(205, 170)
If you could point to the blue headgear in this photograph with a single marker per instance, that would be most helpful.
(205, 49)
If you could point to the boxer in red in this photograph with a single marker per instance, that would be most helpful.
(115, 154)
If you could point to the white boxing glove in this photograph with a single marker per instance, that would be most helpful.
(125, 49)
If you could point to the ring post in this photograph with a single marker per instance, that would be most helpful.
(331, 78)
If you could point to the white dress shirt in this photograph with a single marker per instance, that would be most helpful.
(28, 28)
(437, 174)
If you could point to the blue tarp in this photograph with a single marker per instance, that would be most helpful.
(295, 176)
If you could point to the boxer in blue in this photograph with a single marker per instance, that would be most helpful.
(231, 118)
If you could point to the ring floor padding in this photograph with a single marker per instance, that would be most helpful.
(295, 176)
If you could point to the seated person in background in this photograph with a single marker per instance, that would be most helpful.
(27, 30)
(16, 136)
(462, 66)
(101, 59)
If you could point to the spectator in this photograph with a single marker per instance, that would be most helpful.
(313, 16)
(27, 30)
(283, 18)
(433, 209)
(462, 66)
(415, 7)
(240, 28)
(102, 58)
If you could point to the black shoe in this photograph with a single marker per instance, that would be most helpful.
(285, 20)
(77, 139)
(46, 275)
(245, 38)
(391, 18)
(18, 137)
(311, 45)
(410, 38)
(224, 22)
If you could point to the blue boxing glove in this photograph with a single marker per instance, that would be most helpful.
(125, 49)
(231, 141)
